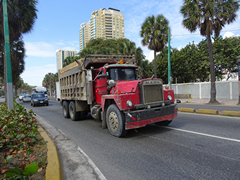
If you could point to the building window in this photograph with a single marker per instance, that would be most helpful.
(62, 55)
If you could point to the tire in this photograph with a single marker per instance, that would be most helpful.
(115, 121)
(65, 109)
(164, 123)
(47, 104)
(74, 115)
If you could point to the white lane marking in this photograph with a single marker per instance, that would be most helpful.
(97, 171)
(203, 134)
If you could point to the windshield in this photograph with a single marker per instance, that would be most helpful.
(39, 95)
(118, 74)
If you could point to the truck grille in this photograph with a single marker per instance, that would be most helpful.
(152, 92)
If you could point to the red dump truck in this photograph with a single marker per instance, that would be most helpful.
(108, 87)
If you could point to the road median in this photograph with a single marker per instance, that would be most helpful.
(189, 110)
(230, 113)
(210, 112)
(207, 111)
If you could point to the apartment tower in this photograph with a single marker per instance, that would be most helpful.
(84, 35)
(62, 54)
(104, 23)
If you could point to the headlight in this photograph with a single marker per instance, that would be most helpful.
(169, 97)
(35, 100)
(129, 103)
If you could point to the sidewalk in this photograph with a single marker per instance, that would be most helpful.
(222, 102)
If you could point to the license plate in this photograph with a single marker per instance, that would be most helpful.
(41, 101)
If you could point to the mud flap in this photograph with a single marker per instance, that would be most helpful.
(104, 123)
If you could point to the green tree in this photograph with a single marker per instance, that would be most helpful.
(113, 46)
(21, 17)
(68, 60)
(225, 54)
(17, 60)
(154, 32)
(49, 81)
(209, 16)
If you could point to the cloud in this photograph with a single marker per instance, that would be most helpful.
(150, 56)
(40, 49)
(229, 34)
(34, 75)
(46, 49)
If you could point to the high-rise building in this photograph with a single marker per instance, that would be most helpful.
(84, 35)
(104, 23)
(62, 54)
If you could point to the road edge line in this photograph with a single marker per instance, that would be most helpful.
(95, 168)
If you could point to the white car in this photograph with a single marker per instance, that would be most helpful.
(21, 97)
(26, 98)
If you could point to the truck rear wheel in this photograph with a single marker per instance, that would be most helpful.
(65, 109)
(115, 121)
(72, 111)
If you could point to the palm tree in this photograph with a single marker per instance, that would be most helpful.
(154, 31)
(127, 47)
(21, 18)
(209, 16)
(50, 80)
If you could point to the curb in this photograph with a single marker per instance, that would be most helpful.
(210, 112)
(53, 170)
(207, 111)
(230, 113)
(189, 110)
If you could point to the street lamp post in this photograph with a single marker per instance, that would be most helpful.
(7, 58)
(238, 62)
(169, 61)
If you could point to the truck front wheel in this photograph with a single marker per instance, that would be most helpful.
(115, 121)
(65, 109)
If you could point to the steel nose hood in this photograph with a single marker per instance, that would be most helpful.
(126, 87)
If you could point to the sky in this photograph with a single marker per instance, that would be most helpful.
(58, 24)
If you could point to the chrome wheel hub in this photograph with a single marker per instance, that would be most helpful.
(113, 121)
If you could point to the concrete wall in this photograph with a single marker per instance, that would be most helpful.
(225, 89)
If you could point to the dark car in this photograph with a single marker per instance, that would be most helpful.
(39, 99)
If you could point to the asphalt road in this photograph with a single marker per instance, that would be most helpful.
(220, 108)
(192, 147)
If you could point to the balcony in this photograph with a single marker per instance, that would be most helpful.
(108, 18)
(108, 15)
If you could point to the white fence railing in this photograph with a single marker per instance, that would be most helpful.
(224, 89)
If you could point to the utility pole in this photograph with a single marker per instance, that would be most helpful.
(238, 63)
(7, 58)
(169, 60)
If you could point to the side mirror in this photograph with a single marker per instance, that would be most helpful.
(101, 76)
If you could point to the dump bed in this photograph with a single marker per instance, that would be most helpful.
(76, 79)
